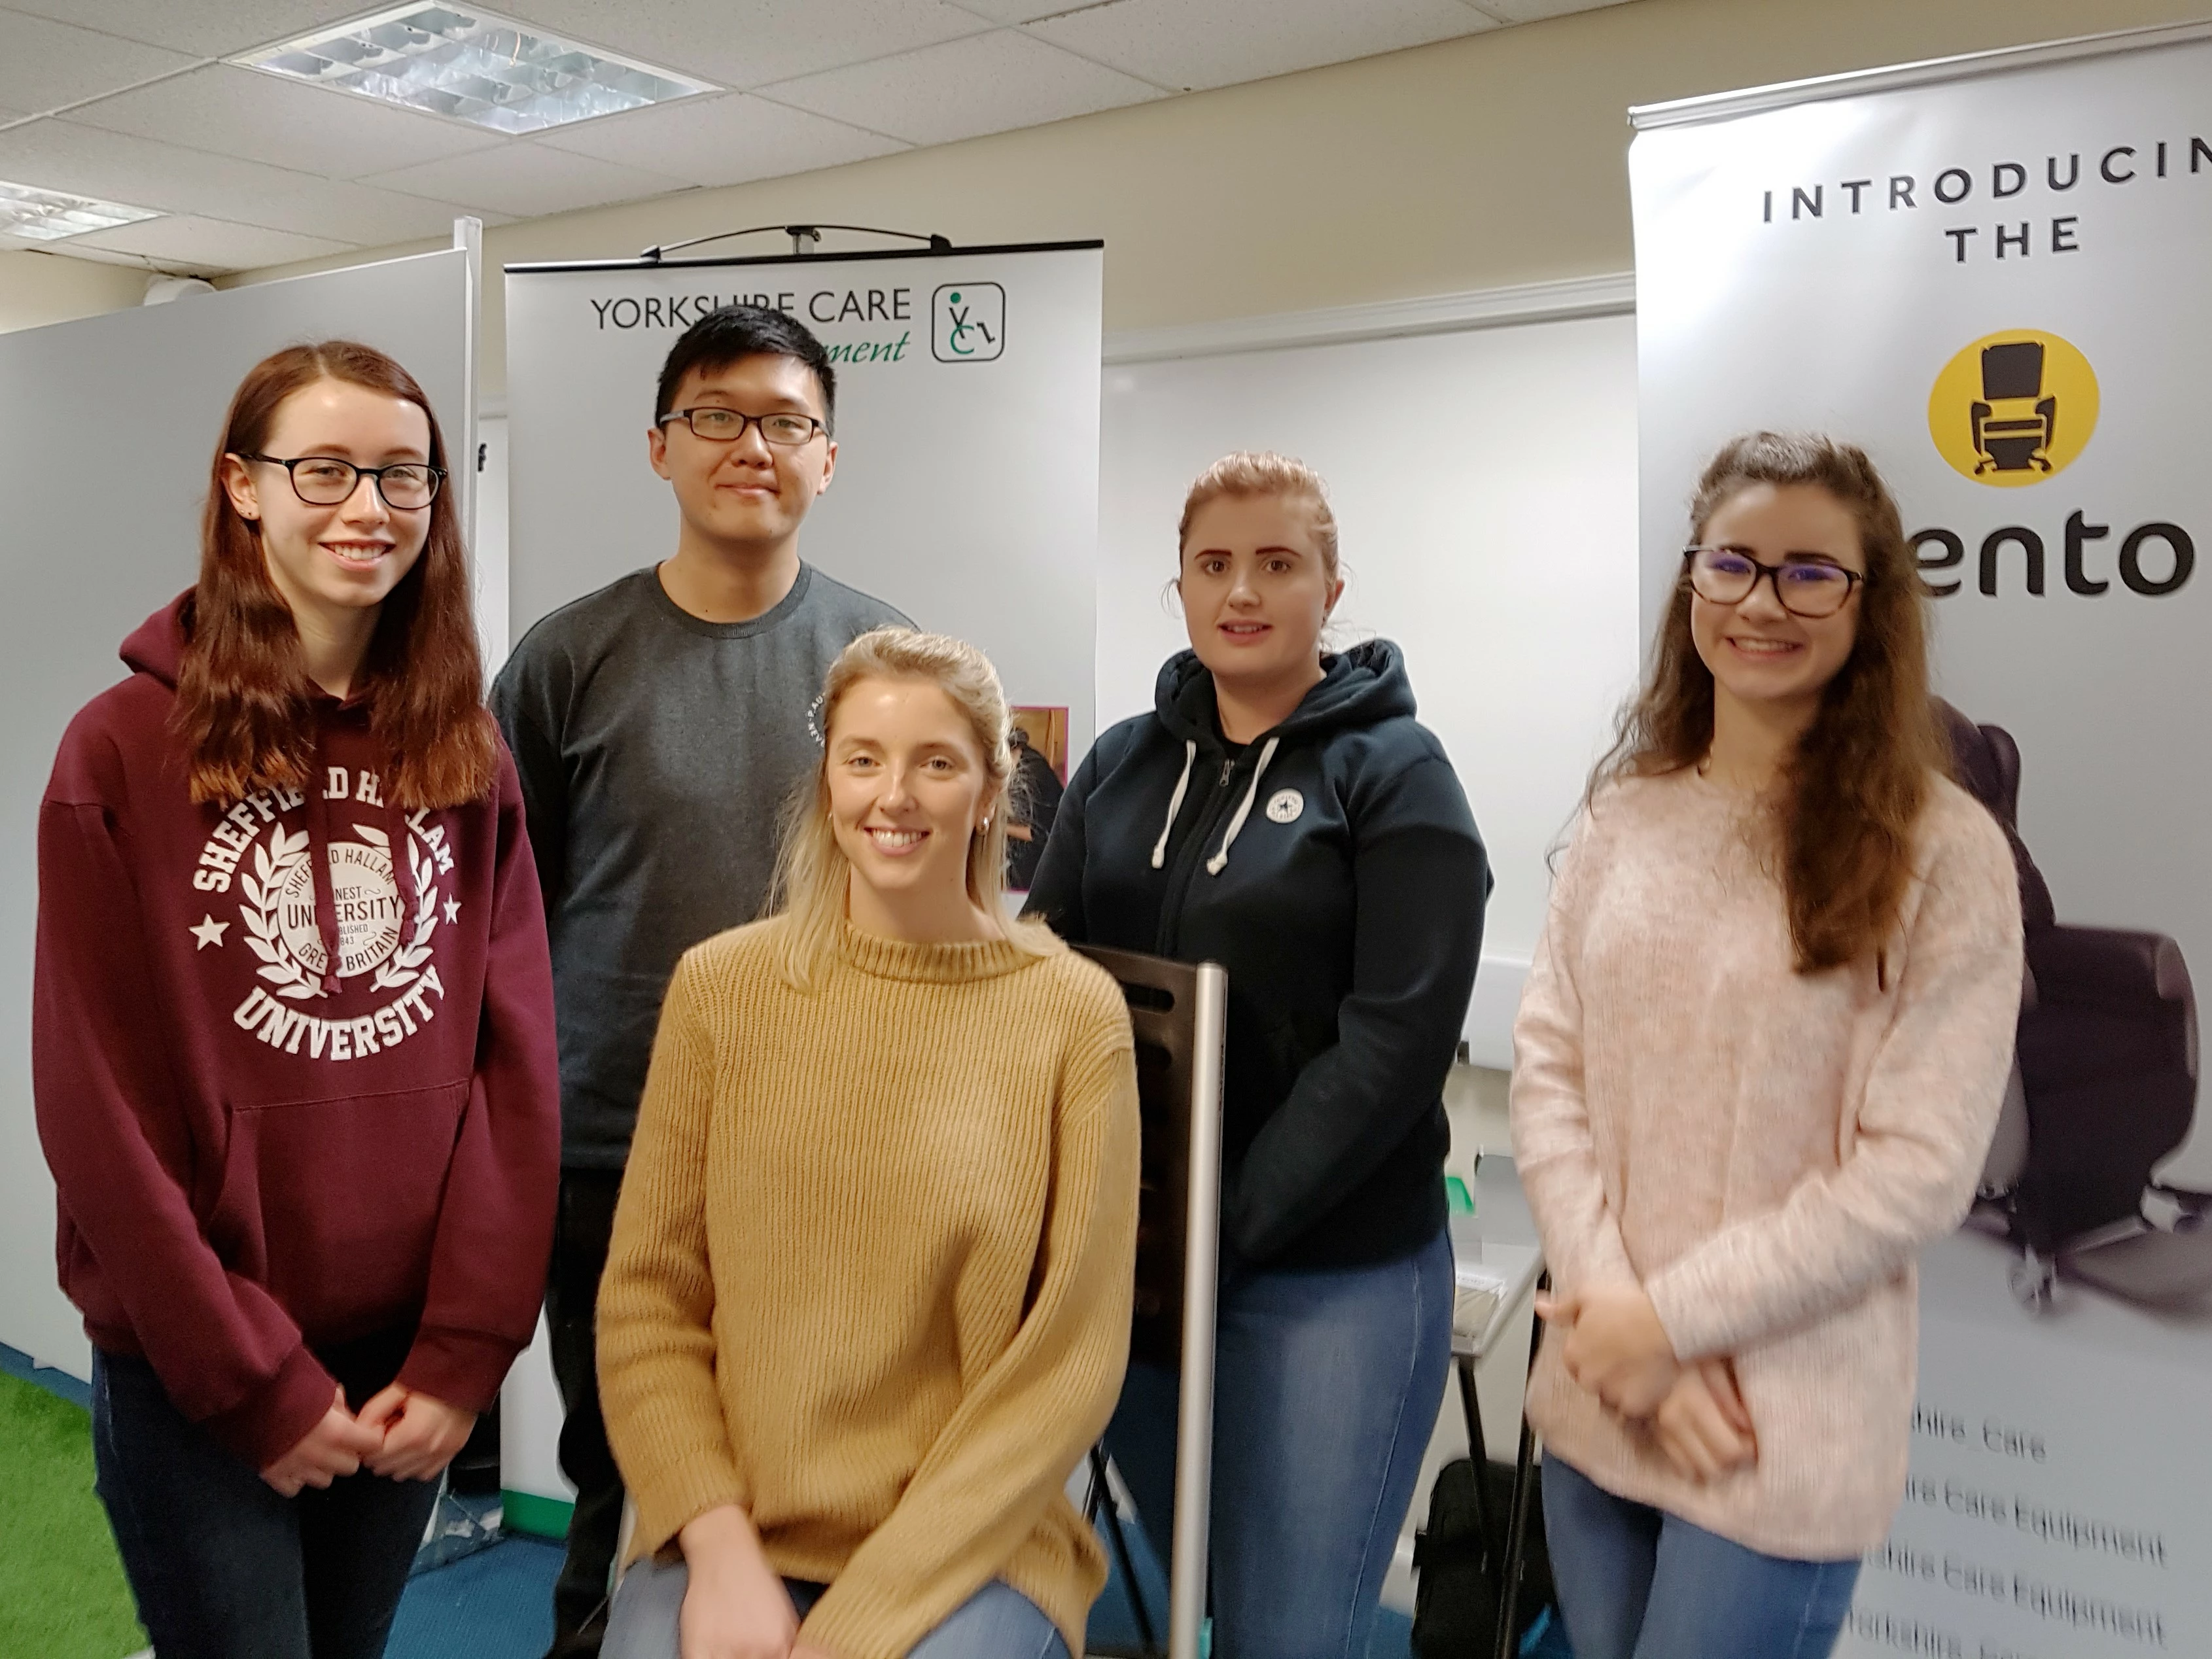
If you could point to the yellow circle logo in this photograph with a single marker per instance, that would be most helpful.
(2014, 408)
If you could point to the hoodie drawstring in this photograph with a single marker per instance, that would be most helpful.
(1219, 861)
(318, 859)
(318, 865)
(1174, 803)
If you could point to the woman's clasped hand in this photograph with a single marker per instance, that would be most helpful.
(735, 1607)
(401, 1434)
(1617, 1348)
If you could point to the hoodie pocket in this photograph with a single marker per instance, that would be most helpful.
(333, 1206)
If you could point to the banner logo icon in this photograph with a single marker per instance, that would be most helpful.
(968, 322)
(2015, 408)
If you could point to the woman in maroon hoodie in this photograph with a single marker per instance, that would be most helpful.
(292, 1032)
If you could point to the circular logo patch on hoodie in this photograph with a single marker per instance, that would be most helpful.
(369, 914)
(1284, 805)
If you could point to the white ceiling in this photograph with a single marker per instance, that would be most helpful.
(130, 100)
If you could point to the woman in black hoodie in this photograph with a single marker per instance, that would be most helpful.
(1280, 812)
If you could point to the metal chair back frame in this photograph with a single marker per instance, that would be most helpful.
(1179, 1014)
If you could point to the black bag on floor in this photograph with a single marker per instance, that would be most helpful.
(1457, 1583)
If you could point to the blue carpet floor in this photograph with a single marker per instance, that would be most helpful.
(495, 1604)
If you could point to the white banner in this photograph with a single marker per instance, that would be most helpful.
(967, 486)
(1992, 275)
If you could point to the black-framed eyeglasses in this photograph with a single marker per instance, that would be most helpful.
(785, 429)
(326, 481)
(1811, 588)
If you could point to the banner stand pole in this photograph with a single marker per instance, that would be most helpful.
(1200, 1263)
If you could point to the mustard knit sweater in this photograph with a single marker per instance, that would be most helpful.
(870, 1272)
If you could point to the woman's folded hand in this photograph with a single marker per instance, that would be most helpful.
(1703, 1425)
(1615, 1346)
(735, 1607)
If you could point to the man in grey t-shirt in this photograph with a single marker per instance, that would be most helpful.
(659, 725)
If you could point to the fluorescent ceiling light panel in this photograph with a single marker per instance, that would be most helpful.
(471, 66)
(50, 216)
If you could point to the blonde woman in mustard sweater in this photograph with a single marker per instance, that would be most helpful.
(1756, 1069)
(867, 1301)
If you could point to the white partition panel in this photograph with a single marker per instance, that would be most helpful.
(107, 427)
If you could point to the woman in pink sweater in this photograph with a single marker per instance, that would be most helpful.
(1756, 1069)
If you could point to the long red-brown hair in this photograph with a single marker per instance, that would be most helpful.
(1855, 787)
(244, 701)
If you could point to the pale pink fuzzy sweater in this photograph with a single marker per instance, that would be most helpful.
(1765, 1152)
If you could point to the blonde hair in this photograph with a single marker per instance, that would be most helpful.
(1263, 472)
(812, 873)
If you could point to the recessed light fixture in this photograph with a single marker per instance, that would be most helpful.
(472, 66)
(50, 215)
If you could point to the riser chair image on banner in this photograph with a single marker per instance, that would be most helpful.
(2104, 1087)
(2014, 423)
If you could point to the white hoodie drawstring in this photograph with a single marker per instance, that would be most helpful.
(1219, 861)
(1174, 803)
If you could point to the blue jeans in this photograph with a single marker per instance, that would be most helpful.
(222, 1566)
(1637, 1583)
(997, 1622)
(1326, 1389)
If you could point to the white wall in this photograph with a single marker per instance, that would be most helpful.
(38, 287)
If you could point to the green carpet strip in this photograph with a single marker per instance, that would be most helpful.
(540, 1517)
(61, 1583)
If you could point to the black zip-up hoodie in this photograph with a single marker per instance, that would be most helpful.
(1333, 867)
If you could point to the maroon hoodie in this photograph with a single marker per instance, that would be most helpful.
(261, 1153)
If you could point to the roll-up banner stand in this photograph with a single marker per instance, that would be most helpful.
(108, 425)
(1991, 272)
(966, 492)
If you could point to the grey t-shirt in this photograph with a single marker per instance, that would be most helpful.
(656, 752)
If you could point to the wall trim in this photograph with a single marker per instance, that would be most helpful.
(1685, 111)
(1438, 313)
(529, 1512)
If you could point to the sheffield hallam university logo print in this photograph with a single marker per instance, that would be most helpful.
(968, 322)
(278, 909)
(259, 854)
(2015, 408)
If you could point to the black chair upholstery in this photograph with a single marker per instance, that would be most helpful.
(2107, 1043)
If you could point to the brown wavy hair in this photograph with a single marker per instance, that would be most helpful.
(1861, 772)
(245, 705)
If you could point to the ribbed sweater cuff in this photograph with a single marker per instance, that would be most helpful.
(671, 1499)
(1691, 1308)
(863, 1627)
(278, 1415)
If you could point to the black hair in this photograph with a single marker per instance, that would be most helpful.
(721, 337)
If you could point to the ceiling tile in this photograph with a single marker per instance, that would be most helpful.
(1196, 44)
(47, 65)
(526, 179)
(188, 239)
(749, 43)
(205, 28)
(1530, 11)
(729, 140)
(986, 84)
(237, 112)
(64, 155)
(1023, 11)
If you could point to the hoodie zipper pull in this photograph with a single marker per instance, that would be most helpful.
(1227, 767)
